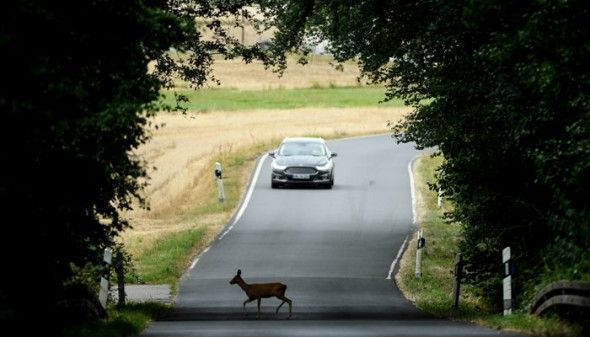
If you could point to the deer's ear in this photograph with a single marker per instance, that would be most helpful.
(239, 272)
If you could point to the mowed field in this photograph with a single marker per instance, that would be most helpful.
(184, 214)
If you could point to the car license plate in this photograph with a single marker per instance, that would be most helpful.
(300, 176)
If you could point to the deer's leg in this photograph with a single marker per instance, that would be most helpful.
(280, 305)
(246, 302)
(258, 314)
(285, 299)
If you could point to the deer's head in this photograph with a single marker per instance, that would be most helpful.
(236, 278)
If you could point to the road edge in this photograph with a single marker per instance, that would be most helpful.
(413, 228)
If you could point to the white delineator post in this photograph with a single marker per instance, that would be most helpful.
(104, 277)
(439, 201)
(220, 190)
(507, 283)
(421, 243)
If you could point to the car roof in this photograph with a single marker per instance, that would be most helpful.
(304, 139)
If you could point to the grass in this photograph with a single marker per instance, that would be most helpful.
(165, 261)
(237, 168)
(432, 292)
(316, 96)
(127, 321)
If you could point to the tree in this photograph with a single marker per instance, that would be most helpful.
(77, 95)
(501, 89)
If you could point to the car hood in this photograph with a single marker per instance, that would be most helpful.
(301, 160)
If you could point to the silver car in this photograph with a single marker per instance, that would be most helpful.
(303, 160)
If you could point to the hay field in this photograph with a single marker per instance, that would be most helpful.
(318, 72)
(183, 150)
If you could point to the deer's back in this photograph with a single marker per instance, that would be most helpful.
(266, 289)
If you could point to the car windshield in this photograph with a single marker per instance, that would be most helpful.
(302, 149)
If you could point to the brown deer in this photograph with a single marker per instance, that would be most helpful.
(260, 291)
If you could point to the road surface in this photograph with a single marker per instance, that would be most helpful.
(333, 249)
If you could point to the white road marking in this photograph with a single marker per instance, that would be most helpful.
(198, 257)
(248, 196)
(413, 191)
(399, 253)
(194, 263)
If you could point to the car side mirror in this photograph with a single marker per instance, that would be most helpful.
(272, 154)
(334, 154)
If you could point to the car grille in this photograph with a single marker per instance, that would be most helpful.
(300, 170)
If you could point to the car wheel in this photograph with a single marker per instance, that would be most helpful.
(273, 184)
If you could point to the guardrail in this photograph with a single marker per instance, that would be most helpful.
(562, 293)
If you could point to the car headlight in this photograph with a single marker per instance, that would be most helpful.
(325, 167)
(276, 167)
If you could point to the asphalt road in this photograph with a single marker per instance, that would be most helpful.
(332, 248)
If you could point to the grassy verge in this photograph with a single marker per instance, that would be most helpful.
(317, 97)
(127, 321)
(432, 292)
(166, 260)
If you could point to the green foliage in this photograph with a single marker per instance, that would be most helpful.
(88, 275)
(509, 107)
(77, 93)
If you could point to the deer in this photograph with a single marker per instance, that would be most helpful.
(260, 291)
